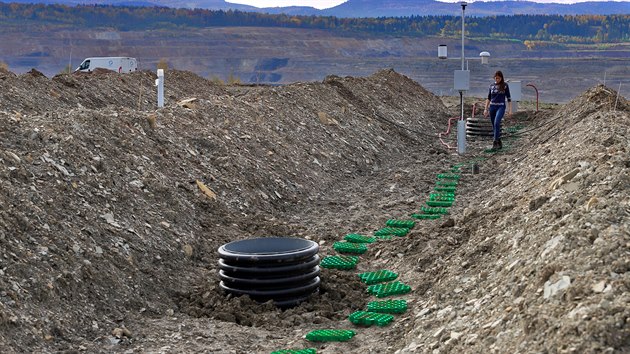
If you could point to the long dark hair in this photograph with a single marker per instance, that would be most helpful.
(502, 84)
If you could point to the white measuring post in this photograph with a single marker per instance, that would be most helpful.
(462, 84)
(160, 85)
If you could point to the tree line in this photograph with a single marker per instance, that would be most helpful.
(531, 28)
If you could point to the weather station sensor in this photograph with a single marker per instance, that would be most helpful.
(461, 80)
(516, 92)
(442, 51)
(485, 57)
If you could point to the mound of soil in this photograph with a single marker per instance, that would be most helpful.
(544, 267)
(111, 213)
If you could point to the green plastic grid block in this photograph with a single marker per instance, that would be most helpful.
(408, 224)
(330, 335)
(431, 210)
(441, 198)
(426, 216)
(388, 289)
(387, 306)
(296, 351)
(445, 189)
(392, 231)
(438, 203)
(350, 247)
(514, 129)
(448, 176)
(378, 276)
(446, 183)
(442, 194)
(385, 237)
(357, 238)
(366, 318)
(339, 262)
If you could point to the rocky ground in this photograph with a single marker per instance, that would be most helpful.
(108, 237)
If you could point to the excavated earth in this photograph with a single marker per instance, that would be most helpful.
(109, 239)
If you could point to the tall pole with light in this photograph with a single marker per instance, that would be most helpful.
(461, 123)
(462, 83)
(463, 3)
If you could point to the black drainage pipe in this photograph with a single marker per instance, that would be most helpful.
(282, 269)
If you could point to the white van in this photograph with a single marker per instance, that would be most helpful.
(117, 64)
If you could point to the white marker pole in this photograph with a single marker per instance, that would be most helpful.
(461, 136)
(160, 85)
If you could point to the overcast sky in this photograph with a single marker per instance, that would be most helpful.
(323, 4)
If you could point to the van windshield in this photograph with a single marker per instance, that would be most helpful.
(84, 65)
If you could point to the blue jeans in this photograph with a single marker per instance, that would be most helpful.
(496, 114)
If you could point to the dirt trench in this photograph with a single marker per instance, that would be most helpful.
(109, 244)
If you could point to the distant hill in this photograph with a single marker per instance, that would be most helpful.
(396, 8)
(384, 8)
(531, 30)
(202, 4)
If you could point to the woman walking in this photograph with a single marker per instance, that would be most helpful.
(495, 106)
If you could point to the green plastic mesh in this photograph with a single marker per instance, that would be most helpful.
(387, 306)
(388, 289)
(378, 276)
(330, 335)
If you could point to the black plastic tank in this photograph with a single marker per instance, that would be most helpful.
(282, 269)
